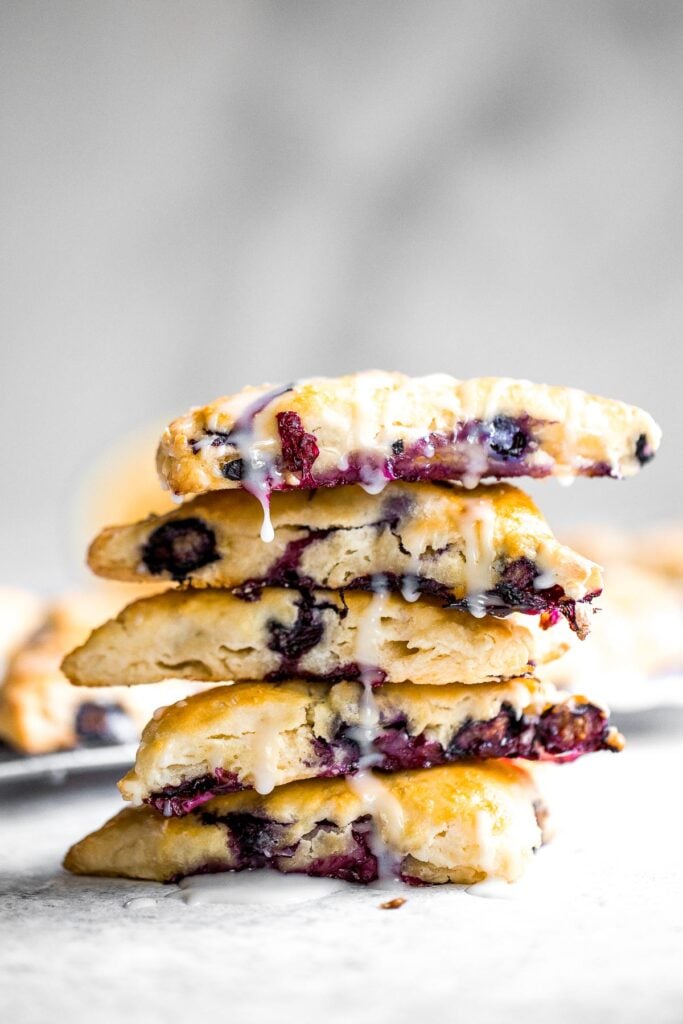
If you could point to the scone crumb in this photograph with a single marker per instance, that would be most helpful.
(394, 904)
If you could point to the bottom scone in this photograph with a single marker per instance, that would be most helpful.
(457, 823)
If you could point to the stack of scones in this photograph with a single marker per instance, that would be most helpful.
(377, 617)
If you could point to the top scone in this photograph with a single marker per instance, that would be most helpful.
(373, 427)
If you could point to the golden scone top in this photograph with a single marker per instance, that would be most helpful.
(383, 614)
(373, 427)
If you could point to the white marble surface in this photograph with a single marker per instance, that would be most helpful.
(595, 934)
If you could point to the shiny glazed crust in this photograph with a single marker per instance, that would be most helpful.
(459, 823)
(213, 636)
(331, 538)
(260, 735)
(374, 425)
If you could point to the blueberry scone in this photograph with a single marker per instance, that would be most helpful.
(458, 823)
(258, 736)
(488, 550)
(41, 712)
(372, 427)
(213, 636)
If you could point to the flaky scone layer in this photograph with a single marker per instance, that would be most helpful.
(260, 735)
(489, 544)
(213, 636)
(458, 823)
(41, 712)
(373, 426)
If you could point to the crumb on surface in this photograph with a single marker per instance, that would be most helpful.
(394, 904)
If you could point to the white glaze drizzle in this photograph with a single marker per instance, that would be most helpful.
(570, 431)
(259, 472)
(376, 798)
(364, 441)
(486, 842)
(477, 459)
(264, 746)
(545, 580)
(264, 887)
(494, 889)
(410, 590)
(478, 524)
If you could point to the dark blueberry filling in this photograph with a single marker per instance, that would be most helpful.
(292, 642)
(180, 547)
(430, 588)
(371, 674)
(179, 800)
(253, 840)
(103, 723)
(285, 571)
(338, 757)
(644, 452)
(299, 449)
(514, 592)
(233, 470)
(401, 750)
(565, 731)
(358, 864)
(561, 733)
(257, 843)
(507, 438)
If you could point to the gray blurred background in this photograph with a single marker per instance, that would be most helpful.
(198, 195)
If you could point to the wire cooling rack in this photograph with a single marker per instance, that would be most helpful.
(21, 767)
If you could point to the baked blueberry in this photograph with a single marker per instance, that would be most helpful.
(507, 438)
(644, 451)
(179, 547)
(299, 449)
(103, 723)
(233, 470)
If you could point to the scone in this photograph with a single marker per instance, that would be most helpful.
(213, 636)
(20, 614)
(371, 427)
(256, 735)
(659, 549)
(488, 550)
(41, 712)
(637, 637)
(458, 823)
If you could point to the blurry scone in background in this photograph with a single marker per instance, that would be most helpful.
(633, 657)
(40, 711)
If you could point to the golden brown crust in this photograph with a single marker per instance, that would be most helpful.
(343, 534)
(460, 823)
(367, 413)
(212, 636)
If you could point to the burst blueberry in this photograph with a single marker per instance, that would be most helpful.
(180, 547)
